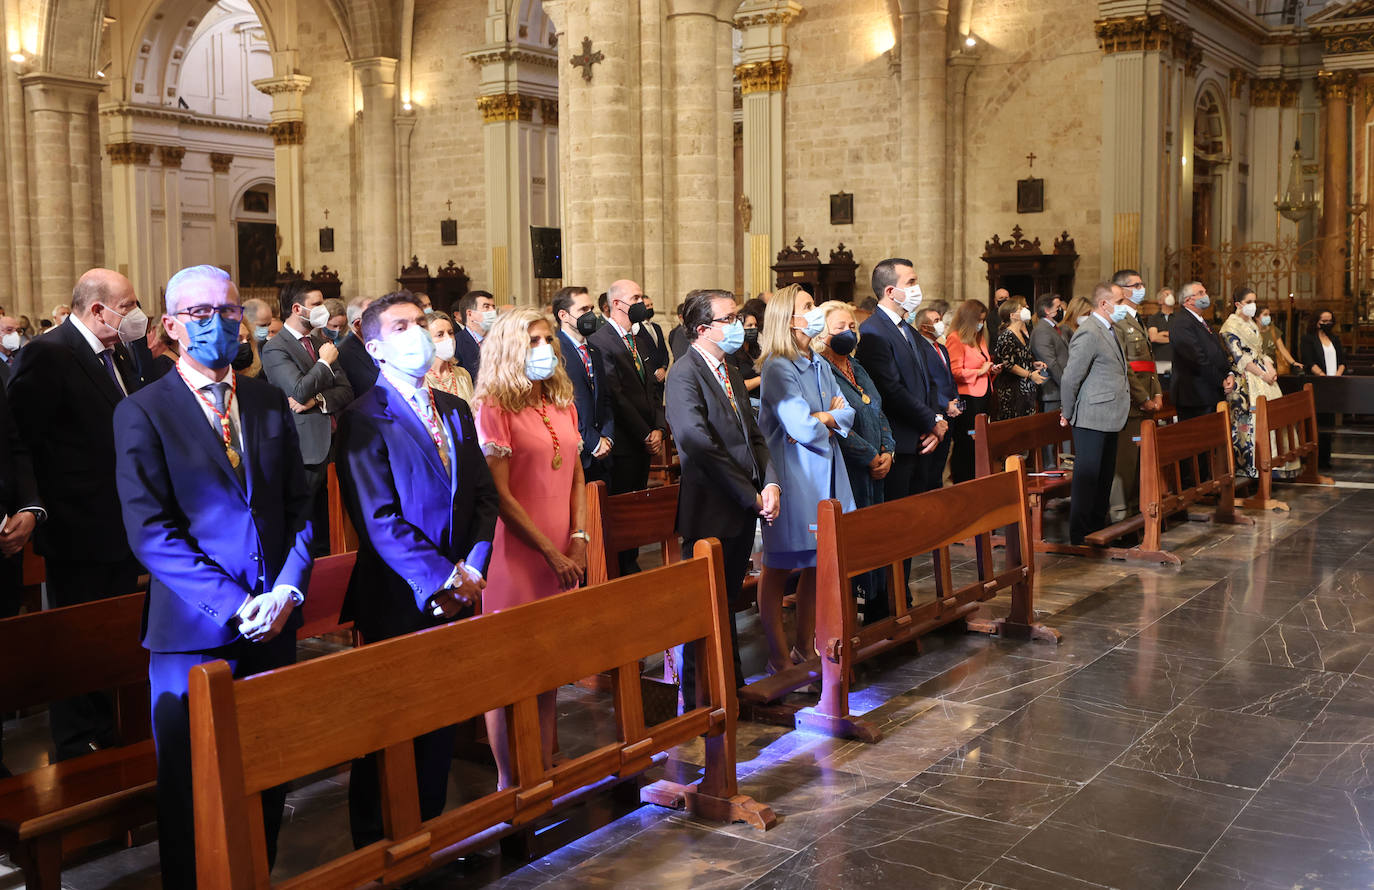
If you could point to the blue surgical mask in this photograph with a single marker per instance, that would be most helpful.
(540, 363)
(429, 310)
(733, 338)
(1265, 320)
(214, 341)
(1138, 295)
(1119, 312)
(410, 352)
(262, 332)
(1202, 302)
(844, 342)
(332, 335)
(815, 321)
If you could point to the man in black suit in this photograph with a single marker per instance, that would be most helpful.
(639, 420)
(944, 392)
(63, 393)
(677, 337)
(476, 314)
(657, 355)
(726, 478)
(419, 493)
(572, 306)
(20, 503)
(890, 352)
(301, 363)
(1202, 366)
(358, 366)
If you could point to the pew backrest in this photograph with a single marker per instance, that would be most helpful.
(995, 441)
(617, 522)
(1292, 419)
(324, 600)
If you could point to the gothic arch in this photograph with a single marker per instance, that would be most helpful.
(1211, 123)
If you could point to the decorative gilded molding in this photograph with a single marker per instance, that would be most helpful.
(538, 58)
(129, 152)
(772, 17)
(548, 111)
(763, 77)
(506, 107)
(287, 132)
(220, 163)
(1155, 32)
(1273, 92)
(290, 83)
(171, 155)
(1192, 60)
(1334, 84)
(1238, 81)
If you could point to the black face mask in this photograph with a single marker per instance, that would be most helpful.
(1327, 325)
(751, 335)
(648, 315)
(1059, 315)
(586, 323)
(844, 342)
(244, 359)
(638, 312)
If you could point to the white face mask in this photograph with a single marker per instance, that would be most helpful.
(133, 326)
(1248, 309)
(911, 298)
(488, 319)
(443, 349)
(541, 362)
(318, 316)
(1083, 318)
(1024, 314)
(1169, 300)
(11, 341)
(939, 329)
(410, 352)
(980, 325)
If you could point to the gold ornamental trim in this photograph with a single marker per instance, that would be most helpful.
(1273, 92)
(129, 152)
(1155, 32)
(548, 111)
(287, 132)
(171, 155)
(1238, 80)
(506, 107)
(220, 163)
(763, 77)
(1335, 84)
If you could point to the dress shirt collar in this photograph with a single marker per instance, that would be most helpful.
(1106, 323)
(618, 329)
(199, 381)
(896, 317)
(298, 334)
(476, 335)
(96, 346)
(1195, 315)
(403, 385)
(1051, 321)
(573, 335)
(711, 361)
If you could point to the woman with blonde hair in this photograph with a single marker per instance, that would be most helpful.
(446, 374)
(1078, 309)
(970, 362)
(801, 411)
(527, 424)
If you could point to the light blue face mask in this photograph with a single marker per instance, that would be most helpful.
(1119, 312)
(1138, 295)
(411, 351)
(1202, 302)
(733, 338)
(541, 362)
(815, 321)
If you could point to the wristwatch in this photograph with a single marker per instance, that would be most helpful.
(581, 534)
(297, 598)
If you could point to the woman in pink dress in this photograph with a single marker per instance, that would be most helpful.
(527, 424)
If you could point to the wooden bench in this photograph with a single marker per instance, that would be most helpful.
(343, 538)
(324, 600)
(995, 441)
(1164, 453)
(629, 521)
(58, 809)
(861, 541)
(1285, 431)
(251, 734)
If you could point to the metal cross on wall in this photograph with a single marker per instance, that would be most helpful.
(587, 59)
(1031, 158)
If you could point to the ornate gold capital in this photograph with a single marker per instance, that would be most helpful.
(171, 155)
(763, 77)
(1238, 81)
(508, 107)
(1273, 92)
(129, 152)
(1155, 32)
(220, 163)
(1335, 85)
(548, 111)
(287, 132)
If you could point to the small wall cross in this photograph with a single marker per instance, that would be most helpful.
(587, 59)
(1031, 158)
(449, 205)
(326, 214)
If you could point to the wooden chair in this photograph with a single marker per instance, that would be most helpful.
(251, 734)
(995, 441)
(665, 470)
(58, 809)
(324, 600)
(1197, 444)
(343, 538)
(861, 541)
(1285, 430)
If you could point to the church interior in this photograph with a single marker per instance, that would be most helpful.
(1204, 722)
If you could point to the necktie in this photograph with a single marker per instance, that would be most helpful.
(586, 360)
(108, 356)
(219, 394)
(724, 379)
(424, 405)
(310, 348)
(634, 353)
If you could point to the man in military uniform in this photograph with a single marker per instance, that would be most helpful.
(1146, 394)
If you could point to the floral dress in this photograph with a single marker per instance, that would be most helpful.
(1243, 340)
(1014, 396)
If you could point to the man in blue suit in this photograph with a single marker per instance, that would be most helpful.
(216, 506)
(572, 306)
(889, 350)
(944, 393)
(420, 495)
(476, 314)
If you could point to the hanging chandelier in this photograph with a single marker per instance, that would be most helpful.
(1297, 202)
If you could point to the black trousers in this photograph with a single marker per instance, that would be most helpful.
(904, 478)
(1094, 466)
(1324, 440)
(433, 757)
(961, 462)
(1204, 464)
(736, 552)
(11, 598)
(629, 472)
(83, 721)
(167, 674)
(316, 482)
(597, 470)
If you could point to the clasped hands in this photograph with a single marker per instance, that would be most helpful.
(264, 616)
(570, 567)
(300, 408)
(16, 532)
(468, 592)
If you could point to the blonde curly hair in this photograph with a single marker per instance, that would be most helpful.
(501, 377)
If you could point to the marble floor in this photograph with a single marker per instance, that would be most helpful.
(1205, 727)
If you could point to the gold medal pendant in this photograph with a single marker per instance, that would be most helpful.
(867, 400)
(233, 456)
(558, 461)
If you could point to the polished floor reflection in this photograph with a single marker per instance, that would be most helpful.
(1205, 726)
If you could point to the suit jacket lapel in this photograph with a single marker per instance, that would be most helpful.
(188, 405)
(94, 366)
(400, 413)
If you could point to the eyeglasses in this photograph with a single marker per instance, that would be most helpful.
(228, 312)
(728, 319)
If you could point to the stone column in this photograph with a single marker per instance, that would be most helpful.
(502, 117)
(763, 73)
(405, 129)
(60, 165)
(171, 157)
(287, 130)
(220, 165)
(606, 147)
(132, 211)
(379, 257)
(961, 68)
(1334, 89)
(931, 235)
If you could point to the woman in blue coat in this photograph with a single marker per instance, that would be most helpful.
(802, 415)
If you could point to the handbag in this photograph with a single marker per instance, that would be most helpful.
(659, 696)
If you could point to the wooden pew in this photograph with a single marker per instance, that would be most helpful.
(58, 809)
(1164, 452)
(995, 441)
(1285, 430)
(343, 538)
(324, 600)
(665, 470)
(254, 733)
(628, 522)
(851, 544)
